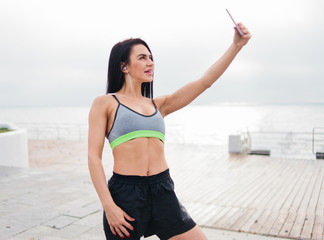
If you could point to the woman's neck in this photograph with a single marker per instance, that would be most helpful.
(131, 87)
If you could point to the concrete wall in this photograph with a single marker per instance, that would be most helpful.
(13, 147)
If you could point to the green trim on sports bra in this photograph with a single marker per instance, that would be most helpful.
(136, 134)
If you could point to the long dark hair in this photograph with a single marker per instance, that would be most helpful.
(120, 54)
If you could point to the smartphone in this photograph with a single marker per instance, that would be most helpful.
(237, 27)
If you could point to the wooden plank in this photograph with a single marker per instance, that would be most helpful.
(261, 189)
(247, 227)
(219, 191)
(287, 226)
(318, 228)
(232, 189)
(308, 193)
(320, 203)
(203, 211)
(252, 188)
(218, 216)
(229, 222)
(212, 191)
(192, 193)
(260, 221)
(298, 226)
(275, 230)
(287, 188)
(205, 220)
(222, 222)
(242, 182)
(243, 219)
(197, 192)
(311, 209)
(308, 226)
(296, 190)
(278, 223)
(247, 186)
(301, 192)
(274, 188)
(193, 208)
(267, 225)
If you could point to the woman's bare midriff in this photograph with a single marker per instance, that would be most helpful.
(140, 156)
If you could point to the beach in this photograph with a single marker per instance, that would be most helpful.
(229, 196)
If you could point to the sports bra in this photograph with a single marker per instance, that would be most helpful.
(129, 124)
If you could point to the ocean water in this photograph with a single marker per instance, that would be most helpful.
(285, 129)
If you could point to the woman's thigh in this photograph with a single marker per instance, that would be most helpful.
(193, 234)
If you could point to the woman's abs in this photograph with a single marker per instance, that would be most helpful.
(140, 156)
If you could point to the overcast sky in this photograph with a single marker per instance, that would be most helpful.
(55, 53)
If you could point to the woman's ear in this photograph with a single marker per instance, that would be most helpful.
(123, 67)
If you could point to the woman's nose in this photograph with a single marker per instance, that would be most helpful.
(150, 62)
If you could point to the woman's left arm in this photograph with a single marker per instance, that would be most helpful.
(185, 95)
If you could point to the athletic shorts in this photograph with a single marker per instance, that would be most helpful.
(151, 200)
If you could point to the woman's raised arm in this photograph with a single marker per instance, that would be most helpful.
(185, 95)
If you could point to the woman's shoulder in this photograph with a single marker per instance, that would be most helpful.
(103, 101)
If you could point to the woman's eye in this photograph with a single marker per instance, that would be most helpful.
(143, 57)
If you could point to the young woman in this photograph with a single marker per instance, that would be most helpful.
(140, 199)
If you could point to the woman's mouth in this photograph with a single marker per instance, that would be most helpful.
(150, 72)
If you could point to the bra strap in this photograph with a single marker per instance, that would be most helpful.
(116, 98)
(154, 103)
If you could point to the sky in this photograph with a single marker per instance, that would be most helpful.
(55, 53)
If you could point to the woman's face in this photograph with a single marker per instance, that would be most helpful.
(140, 66)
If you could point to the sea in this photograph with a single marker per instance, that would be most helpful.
(287, 130)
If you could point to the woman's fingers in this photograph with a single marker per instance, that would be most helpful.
(247, 36)
(117, 221)
(241, 40)
(126, 224)
(243, 28)
(119, 227)
(115, 230)
(129, 218)
(123, 229)
(112, 229)
(119, 232)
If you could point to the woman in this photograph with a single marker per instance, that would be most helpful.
(140, 198)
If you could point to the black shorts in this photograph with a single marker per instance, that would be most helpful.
(151, 200)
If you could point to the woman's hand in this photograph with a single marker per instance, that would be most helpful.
(239, 40)
(117, 223)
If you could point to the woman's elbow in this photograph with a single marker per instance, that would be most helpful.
(205, 82)
(92, 160)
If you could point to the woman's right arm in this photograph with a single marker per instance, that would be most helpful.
(98, 117)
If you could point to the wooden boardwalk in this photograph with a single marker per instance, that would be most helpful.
(55, 199)
(253, 194)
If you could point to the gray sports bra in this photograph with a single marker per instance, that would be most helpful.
(129, 124)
